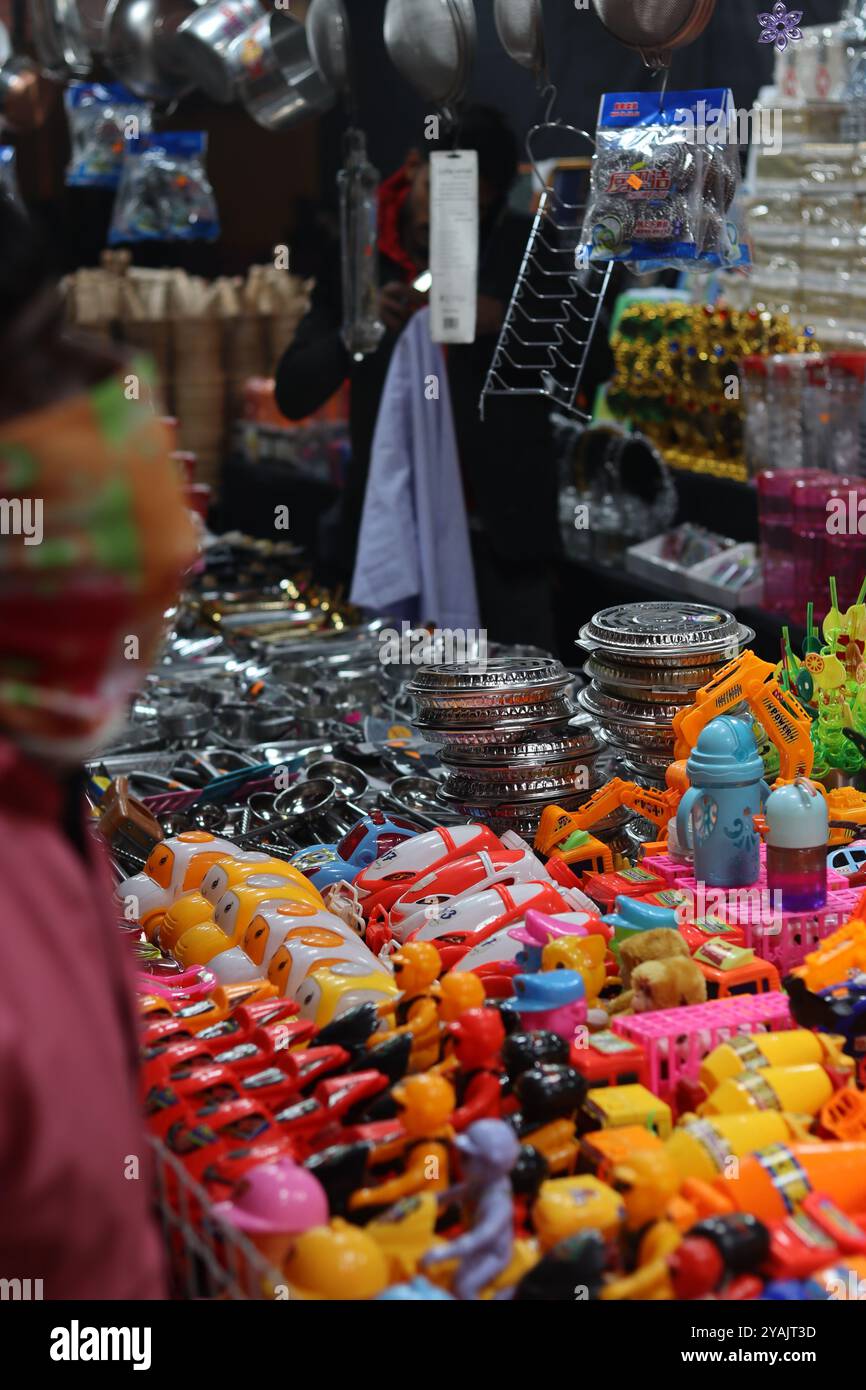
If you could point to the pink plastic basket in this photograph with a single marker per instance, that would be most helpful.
(677, 1040)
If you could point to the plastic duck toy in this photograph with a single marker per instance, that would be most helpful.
(476, 1043)
(273, 1205)
(554, 1001)
(173, 867)
(539, 928)
(488, 1152)
(426, 1104)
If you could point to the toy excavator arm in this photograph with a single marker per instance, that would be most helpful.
(657, 807)
(750, 680)
(557, 825)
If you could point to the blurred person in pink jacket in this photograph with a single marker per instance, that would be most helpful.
(93, 540)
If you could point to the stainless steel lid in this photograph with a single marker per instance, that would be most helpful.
(499, 674)
(648, 630)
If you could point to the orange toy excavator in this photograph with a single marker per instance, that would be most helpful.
(565, 835)
(749, 680)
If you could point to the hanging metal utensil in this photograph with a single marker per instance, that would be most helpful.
(139, 37)
(330, 41)
(58, 37)
(432, 45)
(520, 28)
(203, 42)
(655, 27)
(358, 184)
(557, 300)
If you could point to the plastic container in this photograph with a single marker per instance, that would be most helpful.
(700, 1148)
(797, 834)
(799, 1090)
(794, 1047)
(832, 406)
(773, 1182)
(776, 521)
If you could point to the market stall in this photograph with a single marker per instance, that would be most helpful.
(463, 660)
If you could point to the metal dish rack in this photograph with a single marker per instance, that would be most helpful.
(556, 304)
(207, 1258)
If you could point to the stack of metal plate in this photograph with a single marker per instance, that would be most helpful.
(511, 740)
(646, 661)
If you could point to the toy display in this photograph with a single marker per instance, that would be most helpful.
(400, 1059)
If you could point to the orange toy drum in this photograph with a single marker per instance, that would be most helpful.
(773, 1182)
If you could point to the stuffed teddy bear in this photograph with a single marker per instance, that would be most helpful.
(643, 948)
(667, 984)
(659, 944)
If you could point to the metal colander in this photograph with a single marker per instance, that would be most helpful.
(655, 27)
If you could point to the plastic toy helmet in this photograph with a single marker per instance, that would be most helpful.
(276, 1199)
(489, 1147)
(189, 911)
(648, 1181)
(461, 991)
(426, 1103)
(478, 1036)
(416, 966)
(336, 1262)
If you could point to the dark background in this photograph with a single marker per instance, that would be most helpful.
(269, 186)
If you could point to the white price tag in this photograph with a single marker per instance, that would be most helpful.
(454, 245)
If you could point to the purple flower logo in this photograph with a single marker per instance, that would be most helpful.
(780, 27)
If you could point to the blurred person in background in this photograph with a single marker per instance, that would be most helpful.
(507, 462)
(94, 540)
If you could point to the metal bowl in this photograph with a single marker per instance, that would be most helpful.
(349, 781)
(477, 726)
(574, 738)
(488, 785)
(306, 799)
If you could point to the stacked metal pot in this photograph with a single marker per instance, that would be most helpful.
(646, 661)
(512, 742)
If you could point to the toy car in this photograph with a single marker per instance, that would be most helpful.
(406, 864)
(472, 873)
(366, 842)
(848, 859)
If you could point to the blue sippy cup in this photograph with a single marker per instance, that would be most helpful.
(715, 816)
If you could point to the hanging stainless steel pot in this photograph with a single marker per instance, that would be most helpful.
(279, 83)
(203, 43)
